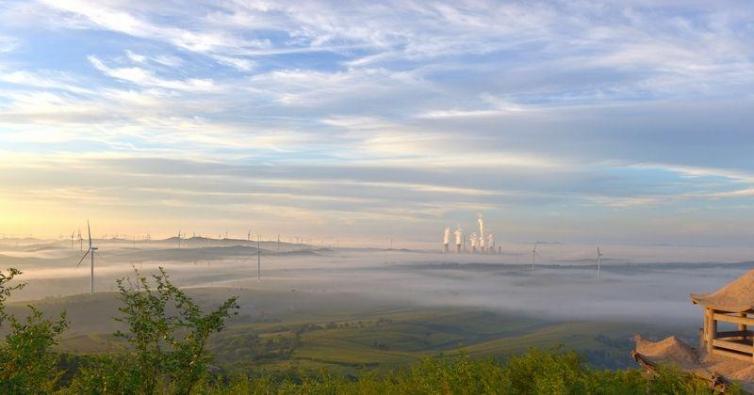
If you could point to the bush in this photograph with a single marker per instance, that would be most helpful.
(27, 363)
(535, 372)
(167, 334)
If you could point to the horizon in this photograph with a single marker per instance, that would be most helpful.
(623, 124)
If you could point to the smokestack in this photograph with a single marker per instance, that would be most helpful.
(481, 232)
(445, 240)
(459, 238)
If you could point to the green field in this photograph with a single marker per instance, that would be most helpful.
(281, 331)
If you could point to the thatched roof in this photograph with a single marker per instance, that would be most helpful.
(669, 350)
(736, 296)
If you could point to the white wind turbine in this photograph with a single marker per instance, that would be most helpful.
(534, 255)
(89, 252)
(599, 262)
(259, 260)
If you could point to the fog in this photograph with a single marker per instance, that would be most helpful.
(646, 285)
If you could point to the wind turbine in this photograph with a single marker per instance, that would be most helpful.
(81, 242)
(179, 239)
(534, 255)
(259, 261)
(599, 262)
(89, 252)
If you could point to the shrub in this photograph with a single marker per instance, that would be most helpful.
(167, 333)
(27, 363)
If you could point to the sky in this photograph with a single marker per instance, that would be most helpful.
(570, 121)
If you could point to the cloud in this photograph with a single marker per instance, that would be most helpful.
(146, 78)
(56, 81)
(167, 60)
(238, 63)
(553, 114)
(8, 44)
(134, 57)
(104, 17)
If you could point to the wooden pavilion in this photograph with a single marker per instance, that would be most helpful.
(734, 304)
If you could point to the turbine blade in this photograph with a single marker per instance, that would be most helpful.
(82, 258)
(89, 229)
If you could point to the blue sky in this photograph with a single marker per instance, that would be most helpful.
(576, 121)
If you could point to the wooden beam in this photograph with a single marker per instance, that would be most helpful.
(731, 354)
(736, 346)
(732, 319)
(742, 327)
(734, 334)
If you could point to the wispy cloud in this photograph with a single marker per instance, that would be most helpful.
(146, 78)
(8, 44)
(549, 113)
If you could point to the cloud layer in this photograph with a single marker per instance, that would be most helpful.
(570, 121)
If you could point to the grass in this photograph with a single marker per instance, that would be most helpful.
(350, 336)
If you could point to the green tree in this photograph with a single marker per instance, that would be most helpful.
(27, 362)
(167, 333)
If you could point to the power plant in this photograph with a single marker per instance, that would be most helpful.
(482, 242)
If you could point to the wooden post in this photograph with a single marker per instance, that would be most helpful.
(705, 329)
(712, 329)
(742, 327)
(708, 329)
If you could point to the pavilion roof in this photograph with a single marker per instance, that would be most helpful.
(736, 296)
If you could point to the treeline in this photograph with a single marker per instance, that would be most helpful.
(167, 335)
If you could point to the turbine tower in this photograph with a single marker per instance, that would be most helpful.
(534, 255)
(599, 262)
(89, 252)
(179, 239)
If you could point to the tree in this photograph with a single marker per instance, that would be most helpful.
(168, 333)
(27, 362)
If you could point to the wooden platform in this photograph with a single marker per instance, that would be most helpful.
(738, 344)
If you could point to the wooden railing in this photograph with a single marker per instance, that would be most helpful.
(737, 344)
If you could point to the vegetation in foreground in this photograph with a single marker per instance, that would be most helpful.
(167, 353)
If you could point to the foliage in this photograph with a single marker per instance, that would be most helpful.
(27, 363)
(535, 372)
(167, 335)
